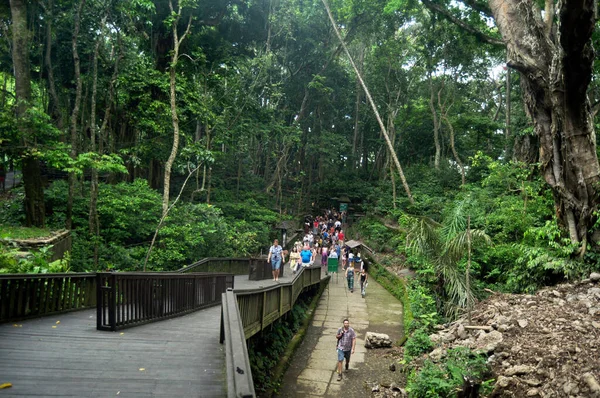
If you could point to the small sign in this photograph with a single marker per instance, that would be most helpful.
(343, 206)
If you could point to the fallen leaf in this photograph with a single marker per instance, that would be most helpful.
(5, 385)
(121, 333)
(142, 369)
(118, 392)
(54, 327)
(57, 322)
(18, 326)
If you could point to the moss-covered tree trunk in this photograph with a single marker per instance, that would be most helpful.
(554, 58)
(32, 179)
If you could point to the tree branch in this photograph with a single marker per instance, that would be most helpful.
(457, 21)
(483, 8)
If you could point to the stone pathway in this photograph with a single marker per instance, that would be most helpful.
(312, 372)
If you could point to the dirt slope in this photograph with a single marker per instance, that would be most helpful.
(542, 345)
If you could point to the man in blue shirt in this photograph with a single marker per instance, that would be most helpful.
(307, 256)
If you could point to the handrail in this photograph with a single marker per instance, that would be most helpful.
(239, 373)
(245, 313)
(261, 307)
(31, 295)
(128, 299)
(233, 265)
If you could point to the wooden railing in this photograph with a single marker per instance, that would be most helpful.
(237, 362)
(31, 295)
(255, 310)
(261, 307)
(235, 266)
(131, 299)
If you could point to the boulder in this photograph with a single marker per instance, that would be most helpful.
(519, 370)
(488, 342)
(377, 340)
(437, 354)
(595, 277)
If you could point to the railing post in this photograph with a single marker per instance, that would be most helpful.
(112, 303)
(280, 300)
(99, 301)
(264, 310)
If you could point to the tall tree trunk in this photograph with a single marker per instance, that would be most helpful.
(436, 126)
(372, 103)
(556, 69)
(32, 179)
(93, 221)
(507, 116)
(75, 112)
(393, 185)
(54, 102)
(173, 99)
(357, 102)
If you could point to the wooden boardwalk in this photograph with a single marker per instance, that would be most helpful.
(64, 355)
(178, 357)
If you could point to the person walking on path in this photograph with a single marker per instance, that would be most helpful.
(363, 281)
(350, 277)
(307, 257)
(275, 257)
(324, 255)
(346, 342)
(295, 259)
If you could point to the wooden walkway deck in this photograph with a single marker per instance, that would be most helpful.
(178, 357)
(64, 355)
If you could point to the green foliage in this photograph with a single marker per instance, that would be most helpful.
(11, 208)
(377, 235)
(36, 262)
(445, 378)
(418, 343)
(422, 306)
(266, 348)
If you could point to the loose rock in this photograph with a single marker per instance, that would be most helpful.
(377, 340)
(518, 370)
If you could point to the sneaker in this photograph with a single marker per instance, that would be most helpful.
(339, 377)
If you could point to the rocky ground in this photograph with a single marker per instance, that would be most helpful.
(542, 345)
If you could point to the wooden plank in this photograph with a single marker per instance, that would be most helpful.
(41, 361)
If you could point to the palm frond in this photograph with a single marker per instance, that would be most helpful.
(457, 247)
(455, 222)
(422, 237)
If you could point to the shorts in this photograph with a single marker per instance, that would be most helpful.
(275, 264)
(343, 354)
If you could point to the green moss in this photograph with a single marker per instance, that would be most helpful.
(11, 232)
(397, 287)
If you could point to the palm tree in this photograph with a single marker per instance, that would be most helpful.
(444, 246)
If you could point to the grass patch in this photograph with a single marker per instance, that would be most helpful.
(11, 232)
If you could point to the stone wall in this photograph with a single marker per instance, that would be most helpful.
(60, 241)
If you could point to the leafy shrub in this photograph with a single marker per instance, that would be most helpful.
(418, 343)
(36, 262)
(11, 207)
(265, 349)
(422, 306)
(445, 378)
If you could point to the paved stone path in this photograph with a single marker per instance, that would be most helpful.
(312, 372)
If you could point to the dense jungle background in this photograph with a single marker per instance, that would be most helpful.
(210, 122)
